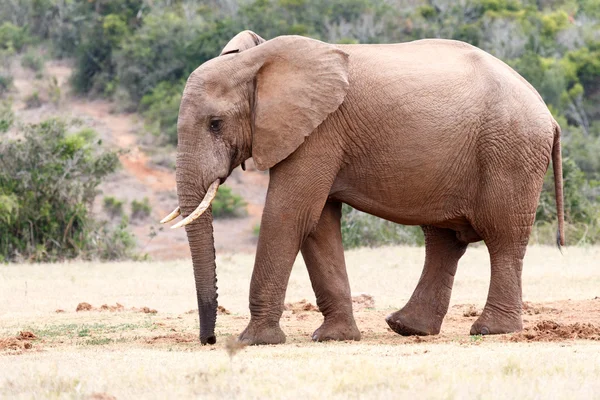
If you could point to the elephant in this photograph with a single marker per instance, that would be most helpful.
(433, 132)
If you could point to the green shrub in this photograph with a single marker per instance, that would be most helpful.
(12, 37)
(54, 92)
(33, 100)
(580, 201)
(140, 209)
(227, 204)
(47, 179)
(114, 242)
(7, 116)
(6, 82)
(256, 230)
(160, 107)
(576, 234)
(113, 207)
(364, 230)
(33, 60)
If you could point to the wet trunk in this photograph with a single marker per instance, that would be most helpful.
(201, 240)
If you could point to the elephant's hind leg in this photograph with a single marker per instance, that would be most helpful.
(506, 233)
(324, 257)
(425, 311)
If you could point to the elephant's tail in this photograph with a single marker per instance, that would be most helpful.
(558, 187)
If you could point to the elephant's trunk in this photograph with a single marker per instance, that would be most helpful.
(201, 240)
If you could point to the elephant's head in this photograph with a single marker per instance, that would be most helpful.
(259, 99)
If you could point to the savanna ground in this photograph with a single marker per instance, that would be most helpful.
(127, 351)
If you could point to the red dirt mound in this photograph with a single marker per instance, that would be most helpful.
(222, 310)
(26, 335)
(19, 342)
(84, 307)
(145, 310)
(550, 331)
(299, 306)
(362, 301)
(116, 308)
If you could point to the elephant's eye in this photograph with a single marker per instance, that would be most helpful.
(216, 125)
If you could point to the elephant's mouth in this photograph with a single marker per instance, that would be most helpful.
(211, 192)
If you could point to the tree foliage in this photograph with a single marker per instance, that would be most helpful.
(48, 181)
(141, 53)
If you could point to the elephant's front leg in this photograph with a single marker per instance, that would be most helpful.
(324, 257)
(292, 210)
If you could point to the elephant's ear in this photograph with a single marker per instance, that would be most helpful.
(242, 41)
(299, 82)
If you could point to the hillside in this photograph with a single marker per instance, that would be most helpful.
(139, 176)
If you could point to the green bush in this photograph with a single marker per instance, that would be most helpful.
(7, 116)
(113, 206)
(160, 108)
(13, 37)
(6, 82)
(227, 204)
(140, 209)
(33, 60)
(114, 242)
(33, 100)
(364, 230)
(47, 180)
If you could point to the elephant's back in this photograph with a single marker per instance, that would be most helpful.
(433, 64)
(443, 83)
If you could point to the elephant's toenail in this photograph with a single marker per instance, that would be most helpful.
(485, 331)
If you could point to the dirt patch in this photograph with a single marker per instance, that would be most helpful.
(145, 310)
(59, 311)
(466, 310)
(530, 308)
(470, 311)
(300, 306)
(26, 335)
(173, 338)
(116, 308)
(100, 396)
(220, 311)
(362, 301)
(550, 331)
(18, 343)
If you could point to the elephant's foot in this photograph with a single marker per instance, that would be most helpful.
(337, 329)
(494, 322)
(256, 334)
(408, 323)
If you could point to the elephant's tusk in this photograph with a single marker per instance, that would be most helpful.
(174, 214)
(204, 204)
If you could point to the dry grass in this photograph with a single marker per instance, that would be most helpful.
(131, 354)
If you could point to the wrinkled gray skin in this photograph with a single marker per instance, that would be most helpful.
(434, 133)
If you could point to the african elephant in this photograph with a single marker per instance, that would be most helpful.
(435, 133)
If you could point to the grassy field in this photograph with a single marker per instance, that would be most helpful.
(126, 351)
